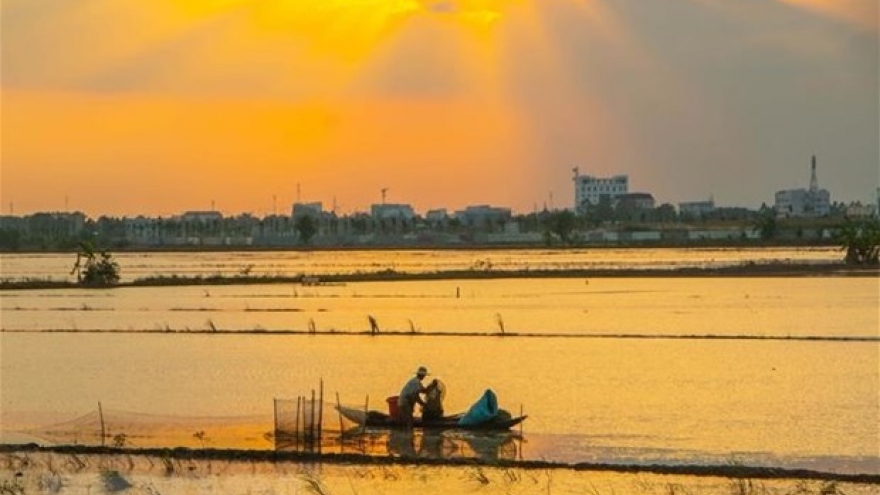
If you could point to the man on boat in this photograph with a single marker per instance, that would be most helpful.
(410, 395)
(434, 394)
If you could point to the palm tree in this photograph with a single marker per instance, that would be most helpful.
(92, 271)
(86, 252)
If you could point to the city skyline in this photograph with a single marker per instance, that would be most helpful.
(155, 108)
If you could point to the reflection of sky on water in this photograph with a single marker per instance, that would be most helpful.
(779, 307)
(784, 402)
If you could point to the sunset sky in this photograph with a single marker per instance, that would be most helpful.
(126, 107)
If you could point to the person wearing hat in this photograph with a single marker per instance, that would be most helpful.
(410, 395)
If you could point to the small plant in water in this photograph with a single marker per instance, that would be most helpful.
(201, 437)
(119, 440)
(313, 483)
(477, 474)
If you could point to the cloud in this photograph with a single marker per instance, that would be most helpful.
(443, 7)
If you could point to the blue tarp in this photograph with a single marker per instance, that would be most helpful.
(485, 409)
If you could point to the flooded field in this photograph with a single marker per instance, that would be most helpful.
(676, 371)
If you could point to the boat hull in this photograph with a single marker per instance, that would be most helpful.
(376, 419)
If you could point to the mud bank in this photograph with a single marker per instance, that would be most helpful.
(184, 455)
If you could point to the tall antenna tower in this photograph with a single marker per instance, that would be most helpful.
(384, 192)
(814, 181)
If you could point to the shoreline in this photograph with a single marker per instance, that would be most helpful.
(271, 456)
(750, 269)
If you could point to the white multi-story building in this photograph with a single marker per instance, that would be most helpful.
(590, 190)
(858, 210)
(812, 202)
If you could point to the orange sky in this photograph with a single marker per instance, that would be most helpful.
(159, 107)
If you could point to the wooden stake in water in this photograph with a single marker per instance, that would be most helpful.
(312, 423)
(275, 419)
(366, 415)
(101, 417)
(296, 425)
(339, 410)
(520, 432)
(320, 413)
(520, 423)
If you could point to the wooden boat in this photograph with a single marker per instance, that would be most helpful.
(379, 419)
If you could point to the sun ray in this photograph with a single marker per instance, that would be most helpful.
(862, 13)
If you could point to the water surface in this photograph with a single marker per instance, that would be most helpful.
(607, 369)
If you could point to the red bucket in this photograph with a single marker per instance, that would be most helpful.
(393, 408)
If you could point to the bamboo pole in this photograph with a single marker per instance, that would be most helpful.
(296, 425)
(101, 417)
(366, 414)
(320, 414)
(520, 423)
(312, 424)
(521, 432)
(339, 410)
(275, 419)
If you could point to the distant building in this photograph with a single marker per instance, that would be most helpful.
(483, 216)
(634, 201)
(141, 229)
(696, 209)
(313, 210)
(437, 218)
(201, 216)
(812, 202)
(392, 212)
(590, 190)
(877, 202)
(858, 210)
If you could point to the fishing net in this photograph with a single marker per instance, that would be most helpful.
(116, 428)
(302, 424)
